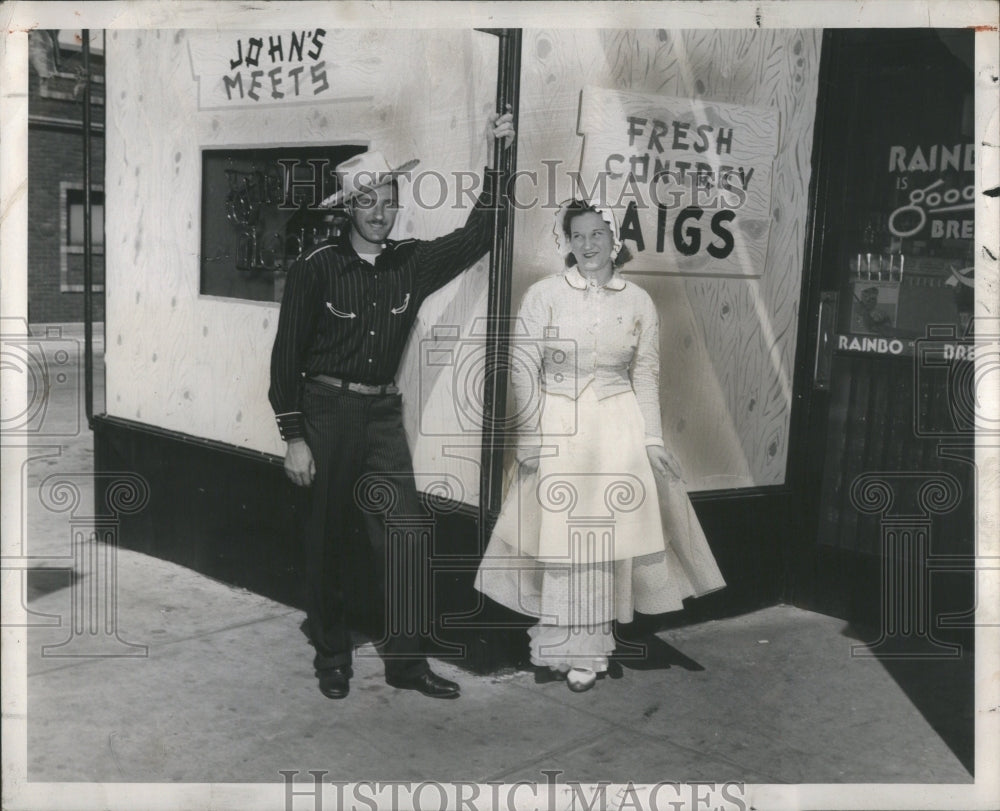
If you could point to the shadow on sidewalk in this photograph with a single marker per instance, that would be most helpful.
(43, 580)
(646, 651)
(941, 689)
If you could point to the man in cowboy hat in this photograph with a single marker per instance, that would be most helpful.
(347, 310)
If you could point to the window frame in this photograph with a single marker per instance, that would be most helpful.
(65, 248)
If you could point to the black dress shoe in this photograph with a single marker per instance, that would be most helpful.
(336, 682)
(427, 683)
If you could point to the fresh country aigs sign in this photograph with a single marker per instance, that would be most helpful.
(689, 180)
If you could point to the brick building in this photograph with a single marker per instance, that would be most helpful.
(55, 176)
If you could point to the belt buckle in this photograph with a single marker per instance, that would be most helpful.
(369, 388)
(359, 388)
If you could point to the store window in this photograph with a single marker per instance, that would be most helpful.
(908, 242)
(260, 209)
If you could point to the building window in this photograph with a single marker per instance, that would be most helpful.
(74, 218)
(69, 86)
(71, 236)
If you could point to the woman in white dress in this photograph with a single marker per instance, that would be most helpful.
(596, 523)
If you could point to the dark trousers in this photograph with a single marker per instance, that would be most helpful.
(363, 465)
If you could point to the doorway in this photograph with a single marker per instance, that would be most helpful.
(887, 429)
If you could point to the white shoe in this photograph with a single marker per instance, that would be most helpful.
(580, 679)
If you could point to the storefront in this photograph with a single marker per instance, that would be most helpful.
(819, 244)
(892, 414)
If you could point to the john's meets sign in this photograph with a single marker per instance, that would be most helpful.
(258, 69)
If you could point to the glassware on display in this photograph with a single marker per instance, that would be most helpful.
(878, 267)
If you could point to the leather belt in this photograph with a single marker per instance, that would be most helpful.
(359, 388)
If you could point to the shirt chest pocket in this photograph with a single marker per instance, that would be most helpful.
(394, 298)
(374, 293)
(397, 297)
(402, 306)
(337, 312)
(339, 306)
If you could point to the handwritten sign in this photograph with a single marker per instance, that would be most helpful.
(690, 180)
(258, 69)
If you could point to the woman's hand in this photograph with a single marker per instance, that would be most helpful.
(664, 463)
(299, 464)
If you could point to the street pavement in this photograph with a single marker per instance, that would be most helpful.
(189, 680)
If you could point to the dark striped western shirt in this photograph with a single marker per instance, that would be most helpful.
(342, 317)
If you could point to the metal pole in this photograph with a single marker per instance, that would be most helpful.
(498, 303)
(103, 406)
(88, 269)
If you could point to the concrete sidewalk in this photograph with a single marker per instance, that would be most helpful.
(190, 680)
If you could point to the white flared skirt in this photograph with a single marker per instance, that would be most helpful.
(594, 536)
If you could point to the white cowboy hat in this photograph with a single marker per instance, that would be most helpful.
(562, 243)
(362, 173)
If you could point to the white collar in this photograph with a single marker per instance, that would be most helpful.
(577, 280)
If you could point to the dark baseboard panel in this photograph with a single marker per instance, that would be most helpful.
(231, 514)
(223, 511)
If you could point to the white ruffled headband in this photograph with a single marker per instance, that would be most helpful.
(562, 242)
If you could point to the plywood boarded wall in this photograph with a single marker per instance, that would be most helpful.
(197, 364)
(727, 345)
